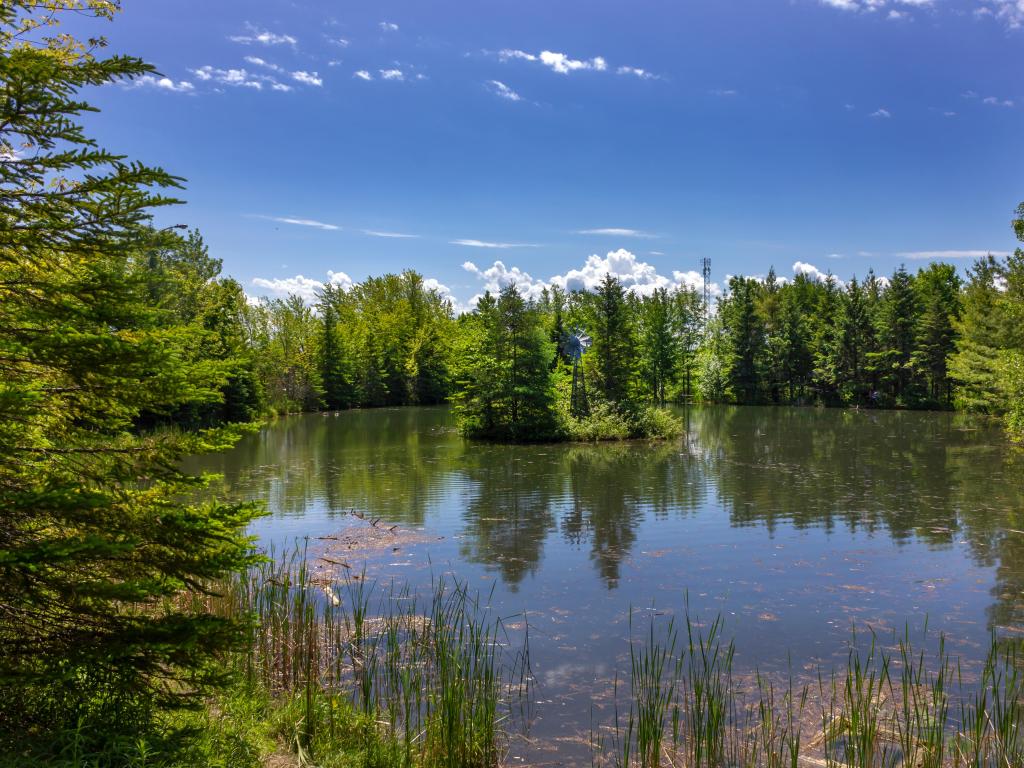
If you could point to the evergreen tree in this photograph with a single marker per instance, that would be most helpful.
(96, 540)
(659, 344)
(614, 349)
(505, 389)
(745, 339)
(897, 332)
(938, 296)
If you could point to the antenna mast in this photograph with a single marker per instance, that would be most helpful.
(705, 265)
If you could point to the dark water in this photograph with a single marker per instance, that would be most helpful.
(793, 524)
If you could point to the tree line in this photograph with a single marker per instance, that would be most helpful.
(931, 339)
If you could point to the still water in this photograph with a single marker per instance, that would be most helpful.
(793, 524)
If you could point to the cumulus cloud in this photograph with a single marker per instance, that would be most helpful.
(883, 114)
(1010, 12)
(362, 74)
(615, 232)
(256, 61)
(498, 88)
(811, 271)
(300, 285)
(556, 62)
(239, 78)
(871, 6)
(387, 26)
(636, 276)
(307, 78)
(161, 84)
(392, 74)
(254, 35)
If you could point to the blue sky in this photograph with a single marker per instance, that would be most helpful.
(550, 141)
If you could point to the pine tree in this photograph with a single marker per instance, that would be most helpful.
(938, 292)
(614, 349)
(897, 324)
(745, 339)
(659, 344)
(96, 541)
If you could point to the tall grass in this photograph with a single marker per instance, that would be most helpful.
(888, 706)
(413, 679)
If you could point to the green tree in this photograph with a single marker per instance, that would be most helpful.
(660, 350)
(505, 388)
(614, 349)
(96, 542)
(897, 337)
(938, 296)
(745, 334)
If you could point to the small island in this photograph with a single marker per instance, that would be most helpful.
(521, 376)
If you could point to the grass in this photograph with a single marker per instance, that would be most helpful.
(887, 707)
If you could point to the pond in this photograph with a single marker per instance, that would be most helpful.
(792, 524)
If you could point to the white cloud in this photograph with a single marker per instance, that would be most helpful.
(498, 88)
(238, 78)
(616, 232)
(993, 101)
(811, 271)
(307, 78)
(1010, 12)
(723, 92)
(161, 83)
(944, 255)
(870, 6)
(882, 113)
(341, 42)
(636, 276)
(387, 26)
(256, 61)
(643, 74)
(557, 62)
(300, 285)
(262, 37)
(392, 74)
(486, 244)
(301, 222)
(398, 235)
(362, 74)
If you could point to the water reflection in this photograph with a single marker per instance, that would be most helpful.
(939, 481)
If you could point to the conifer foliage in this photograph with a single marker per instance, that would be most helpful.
(96, 543)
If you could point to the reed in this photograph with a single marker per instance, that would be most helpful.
(410, 679)
(889, 706)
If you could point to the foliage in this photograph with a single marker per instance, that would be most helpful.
(97, 537)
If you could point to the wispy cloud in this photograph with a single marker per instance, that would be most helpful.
(994, 101)
(498, 88)
(944, 255)
(242, 78)
(556, 62)
(300, 222)
(882, 114)
(255, 35)
(362, 74)
(643, 74)
(388, 26)
(616, 232)
(397, 235)
(256, 61)
(469, 243)
(161, 83)
(724, 92)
